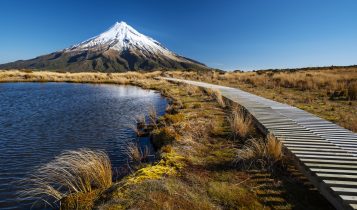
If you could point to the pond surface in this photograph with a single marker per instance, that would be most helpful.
(40, 120)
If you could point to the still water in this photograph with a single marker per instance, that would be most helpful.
(40, 120)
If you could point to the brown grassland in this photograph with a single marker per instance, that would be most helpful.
(330, 92)
(209, 154)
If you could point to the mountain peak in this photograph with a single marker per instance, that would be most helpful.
(121, 37)
(121, 47)
(121, 24)
(120, 30)
(120, 27)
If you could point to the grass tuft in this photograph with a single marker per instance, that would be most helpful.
(152, 114)
(352, 91)
(241, 123)
(70, 173)
(135, 154)
(263, 153)
(218, 96)
(274, 148)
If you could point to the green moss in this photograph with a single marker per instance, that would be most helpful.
(172, 159)
(151, 172)
(169, 165)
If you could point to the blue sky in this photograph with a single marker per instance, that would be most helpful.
(226, 34)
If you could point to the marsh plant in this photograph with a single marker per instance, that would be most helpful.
(136, 155)
(152, 114)
(138, 125)
(72, 172)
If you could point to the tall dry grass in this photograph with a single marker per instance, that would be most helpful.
(72, 172)
(191, 89)
(216, 95)
(90, 77)
(135, 154)
(352, 91)
(152, 114)
(274, 148)
(241, 123)
(334, 82)
(263, 153)
(139, 124)
(219, 98)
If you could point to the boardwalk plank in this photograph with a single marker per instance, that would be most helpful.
(339, 176)
(328, 161)
(336, 166)
(334, 170)
(344, 190)
(340, 183)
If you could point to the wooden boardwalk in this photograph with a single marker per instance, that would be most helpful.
(325, 152)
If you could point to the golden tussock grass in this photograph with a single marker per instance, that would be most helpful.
(72, 172)
(263, 153)
(216, 95)
(241, 123)
(82, 77)
(330, 81)
(135, 154)
(191, 89)
(152, 114)
(219, 98)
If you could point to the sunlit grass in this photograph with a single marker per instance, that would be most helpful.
(72, 172)
(261, 153)
(241, 123)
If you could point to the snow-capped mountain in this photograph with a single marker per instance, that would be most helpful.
(123, 37)
(120, 48)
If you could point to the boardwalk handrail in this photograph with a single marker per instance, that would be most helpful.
(325, 152)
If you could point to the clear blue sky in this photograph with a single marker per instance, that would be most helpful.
(226, 34)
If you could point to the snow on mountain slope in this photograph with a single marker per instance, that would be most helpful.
(121, 37)
(120, 48)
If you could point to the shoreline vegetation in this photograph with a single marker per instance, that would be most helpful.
(211, 155)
